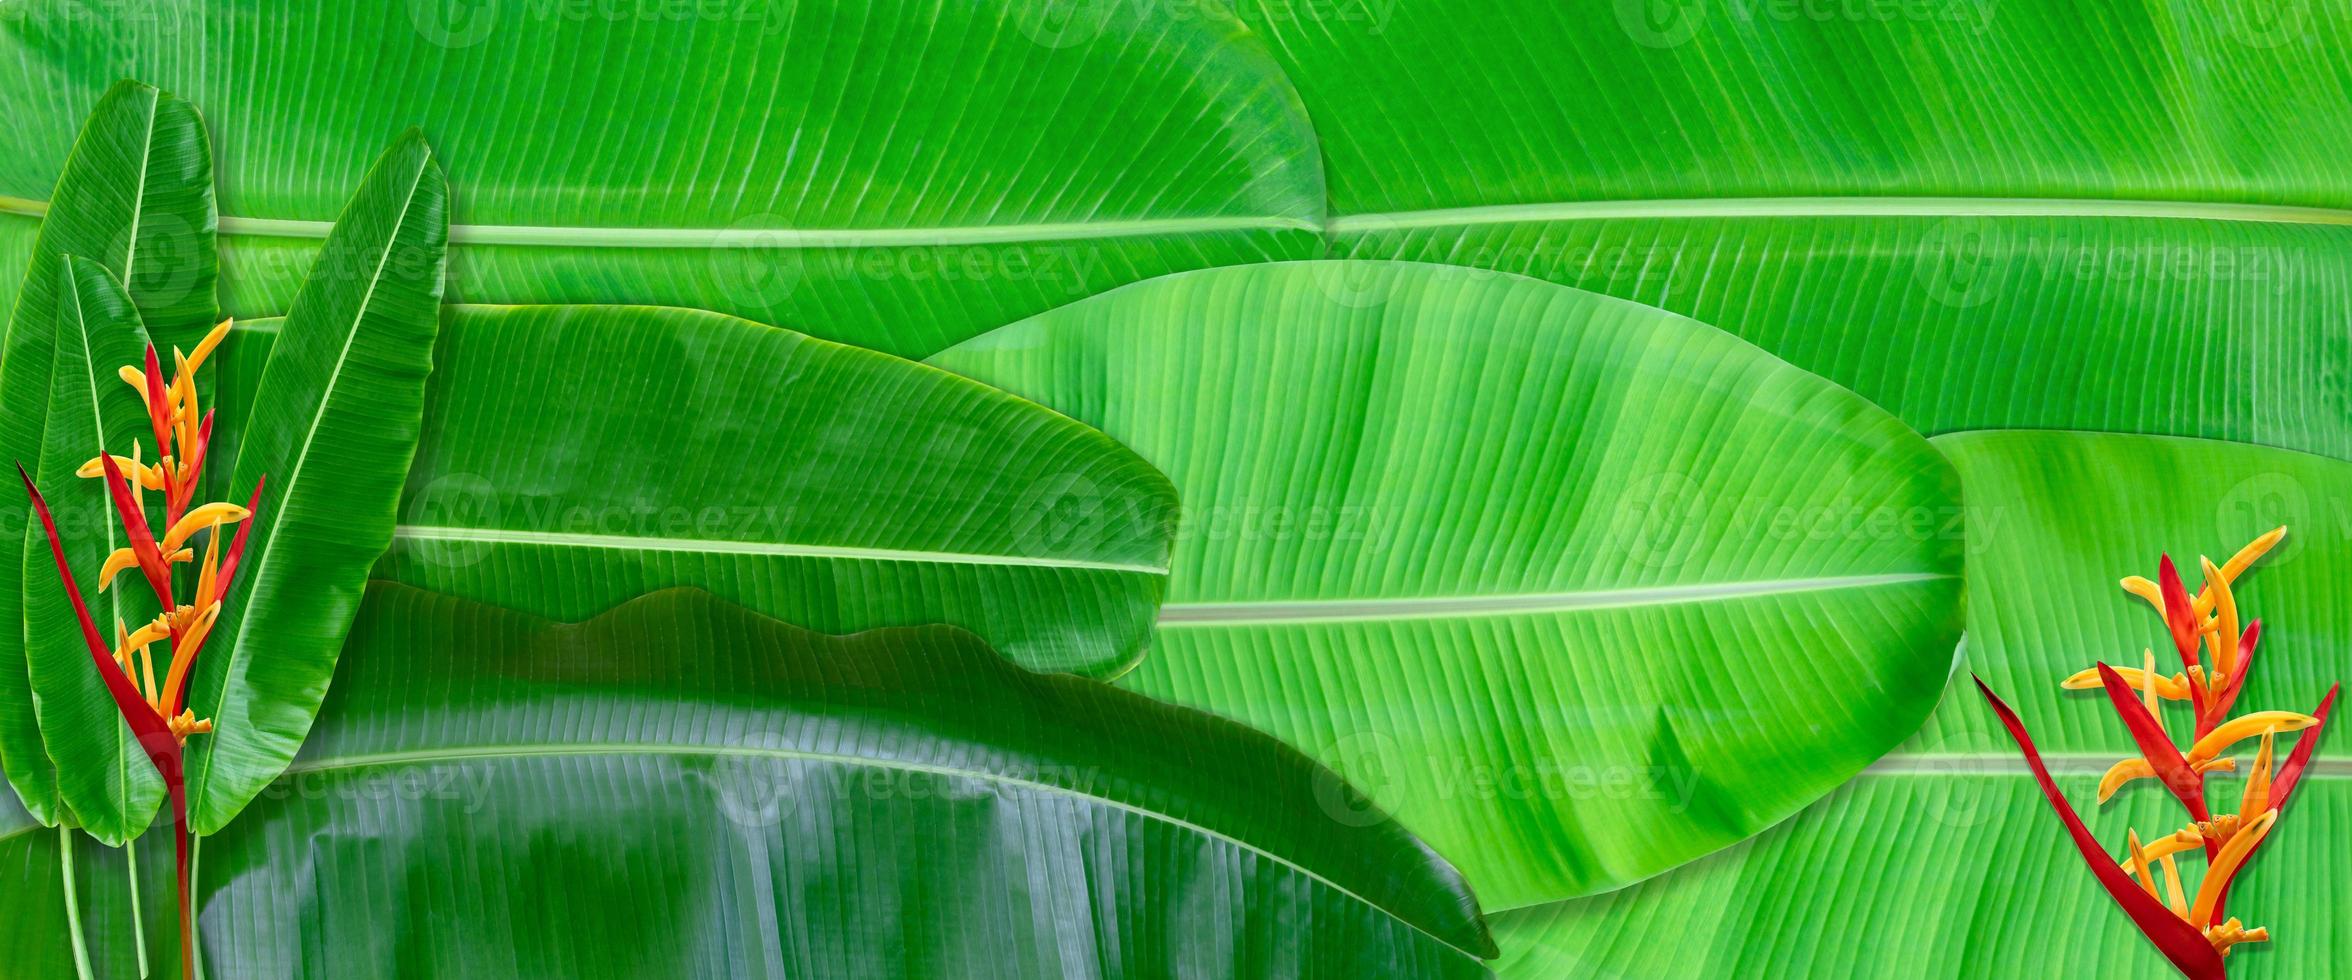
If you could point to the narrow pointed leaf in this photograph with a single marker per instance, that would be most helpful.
(765, 801)
(333, 427)
(103, 774)
(135, 197)
(2171, 769)
(833, 487)
(1529, 562)
(2180, 942)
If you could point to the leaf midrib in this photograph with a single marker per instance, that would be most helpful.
(722, 546)
(236, 652)
(1181, 615)
(589, 236)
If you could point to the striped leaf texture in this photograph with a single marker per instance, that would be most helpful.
(104, 777)
(1977, 214)
(1943, 860)
(1540, 569)
(327, 444)
(683, 788)
(134, 197)
(898, 175)
(1938, 872)
(573, 458)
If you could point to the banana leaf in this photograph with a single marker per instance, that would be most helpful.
(134, 197)
(682, 788)
(1578, 589)
(2015, 214)
(325, 449)
(103, 775)
(1942, 860)
(573, 458)
(2058, 518)
(898, 175)
(1940, 871)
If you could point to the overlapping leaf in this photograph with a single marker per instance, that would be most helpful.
(682, 788)
(1977, 214)
(332, 429)
(1579, 589)
(135, 198)
(103, 776)
(898, 175)
(576, 457)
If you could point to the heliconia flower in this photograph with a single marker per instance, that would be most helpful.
(156, 711)
(2183, 944)
(2216, 658)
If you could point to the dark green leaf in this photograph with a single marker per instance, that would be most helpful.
(682, 788)
(332, 430)
(135, 198)
(104, 776)
(576, 457)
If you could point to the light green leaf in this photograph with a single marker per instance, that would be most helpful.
(1578, 589)
(1946, 844)
(104, 776)
(332, 431)
(2057, 519)
(135, 197)
(898, 174)
(576, 457)
(681, 788)
(1977, 214)
(1929, 874)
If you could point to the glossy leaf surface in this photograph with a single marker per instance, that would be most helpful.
(332, 429)
(104, 777)
(898, 175)
(135, 197)
(846, 489)
(1528, 563)
(681, 788)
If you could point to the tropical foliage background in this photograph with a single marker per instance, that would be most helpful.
(1390, 486)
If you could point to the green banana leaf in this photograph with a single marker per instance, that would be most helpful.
(1976, 213)
(2056, 519)
(1942, 860)
(682, 788)
(103, 775)
(326, 447)
(576, 457)
(898, 174)
(1955, 873)
(1578, 589)
(136, 198)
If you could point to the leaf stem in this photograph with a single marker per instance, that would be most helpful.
(73, 902)
(138, 916)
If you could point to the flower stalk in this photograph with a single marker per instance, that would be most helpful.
(2193, 930)
(151, 692)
